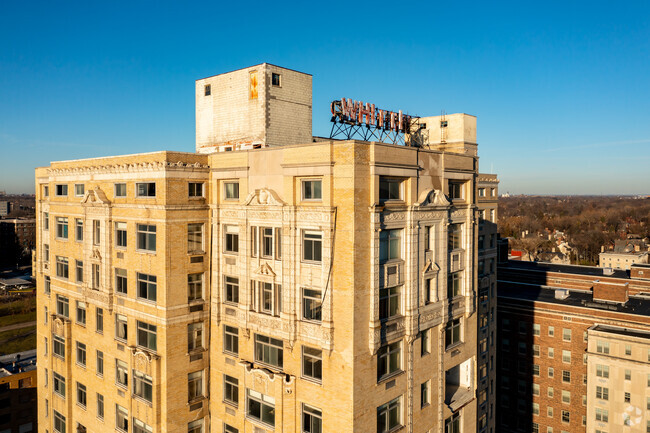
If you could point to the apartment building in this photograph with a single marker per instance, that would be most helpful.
(271, 281)
(18, 392)
(574, 349)
(487, 203)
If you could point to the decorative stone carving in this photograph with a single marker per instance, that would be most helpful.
(432, 197)
(265, 270)
(263, 196)
(96, 254)
(430, 268)
(133, 167)
(58, 327)
(95, 196)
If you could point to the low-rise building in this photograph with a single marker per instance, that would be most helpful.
(18, 392)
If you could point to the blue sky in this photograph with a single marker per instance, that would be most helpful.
(561, 89)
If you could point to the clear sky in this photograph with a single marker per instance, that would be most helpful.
(561, 89)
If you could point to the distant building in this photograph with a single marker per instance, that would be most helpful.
(18, 392)
(625, 253)
(5, 208)
(574, 352)
(17, 237)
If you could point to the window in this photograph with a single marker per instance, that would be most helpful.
(99, 320)
(59, 384)
(312, 419)
(603, 371)
(195, 189)
(79, 271)
(626, 397)
(146, 335)
(46, 191)
(535, 409)
(275, 79)
(311, 304)
(194, 336)
(389, 415)
(537, 329)
(481, 192)
(58, 346)
(81, 313)
(141, 427)
(59, 422)
(96, 276)
(390, 189)
(389, 360)
(456, 190)
(120, 234)
(566, 416)
(536, 350)
(602, 346)
(549, 411)
(45, 318)
(390, 245)
(452, 333)
(267, 297)
(81, 395)
(61, 228)
(312, 363)
(62, 306)
(455, 237)
(121, 373)
(566, 376)
(194, 287)
(566, 397)
(195, 238)
(146, 235)
(628, 374)
(231, 190)
(536, 370)
(207, 90)
(551, 352)
(197, 427)
(100, 363)
(535, 388)
(312, 189)
(142, 386)
(81, 354)
(260, 407)
(231, 241)
(120, 190)
(62, 267)
(425, 344)
(270, 243)
(551, 372)
(120, 281)
(146, 286)
(121, 418)
(566, 334)
(425, 391)
(100, 406)
(120, 327)
(388, 302)
(195, 385)
(97, 232)
(230, 390)
(452, 424)
(79, 189)
(566, 356)
(61, 190)
(602, 415)
(230, 340)
(551, 331)
(46, 253)
(147, 189)
(268, 350)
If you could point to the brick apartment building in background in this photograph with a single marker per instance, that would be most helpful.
(271, 281)
(574, 352)
(18, 392)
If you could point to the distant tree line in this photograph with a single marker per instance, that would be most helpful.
(588, 222)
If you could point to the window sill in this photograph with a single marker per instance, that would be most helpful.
(197, 399)
(315, 381)
(260, 423)
(453, 346)
(195, 253)
(142, 399)
(233, 253)
(121, 386)
(312, 321)
(389, 376)
(231, 404)
(150, 252)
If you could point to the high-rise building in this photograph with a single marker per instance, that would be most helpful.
(574, 351)
(271, 281)
(487, 201)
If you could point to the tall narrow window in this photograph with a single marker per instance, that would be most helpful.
(142, 386)
(62, 267)
(312, 419)
(62, 306)
(232, 290)
(389, 360)
(120, 281)
(195, 385)
(120, 234)
(79, 229)
(230, 390)
(147, 335)
(121, 327)
(231, 239)
(388, 302)
(389, 415)
(62, 227)
(96, 279)
(455, 237)
(452, 333)
(312, 244)
(79, 271)
(121, 373)
(195, 238)
(312, 363)
(97, 232)
(311, 304)
(99, 320)
(230, 340)
(390, 245)
(147, 286)
(194, 336)
(194, 287)
(121, 418)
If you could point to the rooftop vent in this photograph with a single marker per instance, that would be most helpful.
(608, 271)
(561, 294)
